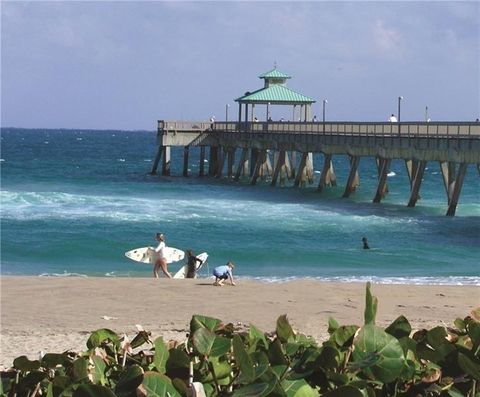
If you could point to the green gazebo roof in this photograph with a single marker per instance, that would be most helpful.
(275, 94)
(275, 74)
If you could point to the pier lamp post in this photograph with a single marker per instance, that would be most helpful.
(226, 112)
(399, 103)
(324, 103)
(426, 114)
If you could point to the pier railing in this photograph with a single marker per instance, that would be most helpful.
(404, 129)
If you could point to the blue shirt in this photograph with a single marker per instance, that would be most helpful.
(222, 271)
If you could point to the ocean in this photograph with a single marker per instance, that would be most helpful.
(73, 201)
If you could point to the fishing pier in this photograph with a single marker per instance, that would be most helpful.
(283, 150)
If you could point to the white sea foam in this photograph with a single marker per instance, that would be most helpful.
(448, 280)
(64, 274)
(391, 173)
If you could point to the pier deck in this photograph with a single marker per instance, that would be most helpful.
(453, 144)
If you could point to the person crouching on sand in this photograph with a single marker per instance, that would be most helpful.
(161, 262)
(221, 273)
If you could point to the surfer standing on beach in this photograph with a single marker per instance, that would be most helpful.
(161, 262)
(192, 264)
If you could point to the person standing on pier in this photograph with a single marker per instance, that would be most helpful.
(161, 262)
(392, 118)
(212, 122)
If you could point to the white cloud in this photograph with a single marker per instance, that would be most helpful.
(388, 39)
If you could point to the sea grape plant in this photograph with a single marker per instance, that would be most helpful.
(218, 360)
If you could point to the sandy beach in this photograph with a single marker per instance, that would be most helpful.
(57, 314)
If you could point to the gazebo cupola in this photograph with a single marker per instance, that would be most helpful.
(274, 92)
(274, 77)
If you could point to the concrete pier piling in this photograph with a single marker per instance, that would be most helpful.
(454, 145)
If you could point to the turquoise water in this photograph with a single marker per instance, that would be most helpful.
(72, 202)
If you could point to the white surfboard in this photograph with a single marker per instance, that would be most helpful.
(182, 273)
(149, 256)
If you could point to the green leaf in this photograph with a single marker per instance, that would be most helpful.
(243, 360)
(284, 329)
(177, 359)
(98, 370)
(452, 392)
(88, 390)
(399, 328)
(276, 354)
(80, 369)
(140, 339)
(51, 360)
(374, 340)
(22, 363)
(222, 368)
(343, 335)
(473, 329)
(460, 324)
(158, 385)
(470, 367)
(257, 337)
(104, 335)
(371, 303)
(261, 363)
(255, 390)
(332, 325)
(128, 381)
(436, 337)
(344, 391)
(329, 358)
(30, 381)
(298, 388)
(161, 355)
(197, 322)
(209, 344)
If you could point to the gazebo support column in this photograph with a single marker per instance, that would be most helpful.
(327, 177)
(166, 161)
(382, 180)
(241, 164)
(201, 165)
(185, 160)
(457, 188)
(353, 178)
(416, 182)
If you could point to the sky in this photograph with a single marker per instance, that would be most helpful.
(125, 65)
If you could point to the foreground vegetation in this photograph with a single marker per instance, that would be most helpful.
(366, 361)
